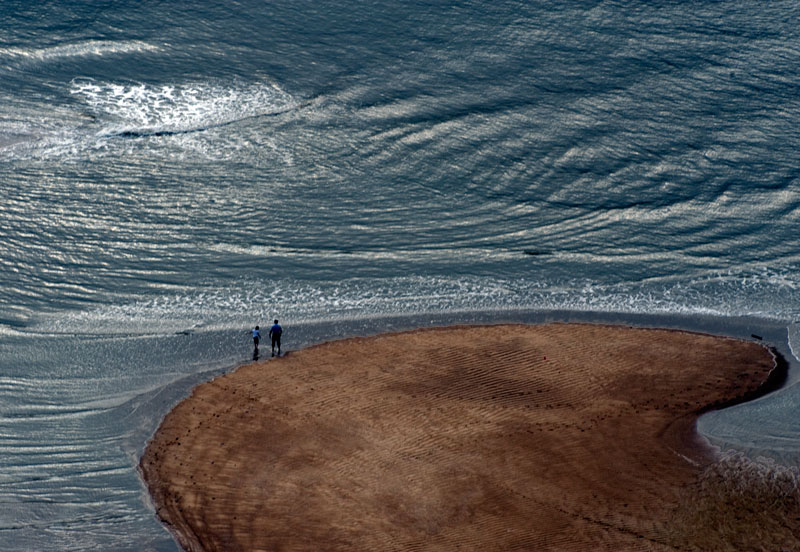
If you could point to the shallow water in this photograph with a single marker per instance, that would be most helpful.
(172, 177)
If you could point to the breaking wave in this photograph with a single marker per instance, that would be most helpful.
(231, 306)
(104, 116)
(135, 109)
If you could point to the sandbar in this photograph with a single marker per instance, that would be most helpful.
(499, 437)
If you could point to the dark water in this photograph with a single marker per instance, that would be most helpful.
(172, 174)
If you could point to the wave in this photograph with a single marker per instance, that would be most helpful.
(103, 112)
(79, 49)
(794, 340)
(767, 295)
(136, 109)
(10, 139)
(146, 133)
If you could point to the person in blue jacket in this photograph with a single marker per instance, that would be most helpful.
(256, 336)
(275, 333)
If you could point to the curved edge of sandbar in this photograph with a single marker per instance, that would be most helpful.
(607, 525)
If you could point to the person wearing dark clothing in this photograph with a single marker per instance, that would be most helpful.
(275, 333)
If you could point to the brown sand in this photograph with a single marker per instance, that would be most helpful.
(508, 437)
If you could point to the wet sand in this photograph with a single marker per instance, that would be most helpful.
(506, 437)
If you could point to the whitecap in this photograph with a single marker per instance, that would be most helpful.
(184, 120)
(140, 110)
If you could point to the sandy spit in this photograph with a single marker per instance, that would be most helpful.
(490, 438)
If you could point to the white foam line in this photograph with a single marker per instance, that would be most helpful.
(793, 337)
(89, 48)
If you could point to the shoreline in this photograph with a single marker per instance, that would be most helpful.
(679, 434)
(776, 379)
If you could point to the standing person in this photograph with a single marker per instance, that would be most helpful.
(256, 336)
(275, 333)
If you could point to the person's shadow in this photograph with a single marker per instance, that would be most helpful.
(255, 353)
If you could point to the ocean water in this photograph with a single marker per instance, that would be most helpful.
(173, 174)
